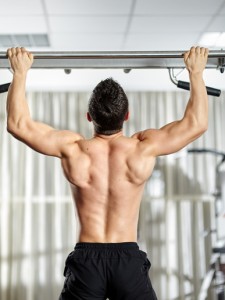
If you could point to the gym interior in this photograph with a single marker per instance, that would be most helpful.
(140, 44)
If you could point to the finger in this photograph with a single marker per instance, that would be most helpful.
(23, 50)
(192, 49)
(18, 50)
(197, 50)
(206, 52)
(13, 51)
(202, 50)
(186, 54)
(9, 52)
(31, 57)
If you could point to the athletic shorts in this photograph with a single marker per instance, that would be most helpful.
(115, 271)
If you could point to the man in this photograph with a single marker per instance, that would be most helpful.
(107, 174)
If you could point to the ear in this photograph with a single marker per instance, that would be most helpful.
(127, 116)
(88, 117)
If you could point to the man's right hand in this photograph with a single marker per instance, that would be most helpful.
(195, 59)
(20, 60)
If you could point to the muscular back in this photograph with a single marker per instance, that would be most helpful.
(107, 176)
(107, 173)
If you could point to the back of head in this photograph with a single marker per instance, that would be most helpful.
(108, 107)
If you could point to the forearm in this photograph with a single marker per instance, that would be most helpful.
(17, 107)
(197, 107)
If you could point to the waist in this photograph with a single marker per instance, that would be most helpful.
(113, 236)
(123, 245)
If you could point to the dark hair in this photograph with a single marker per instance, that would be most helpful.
(108, 106)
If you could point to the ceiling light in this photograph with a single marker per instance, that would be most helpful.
(25, 40)
(209, 39)
(220, 42)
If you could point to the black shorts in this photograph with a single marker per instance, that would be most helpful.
(117, 271)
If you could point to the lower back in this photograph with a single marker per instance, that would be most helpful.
(108, 219)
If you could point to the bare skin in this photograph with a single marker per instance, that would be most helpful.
(107, 174)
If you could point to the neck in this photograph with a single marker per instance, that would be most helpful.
(106, 132)
(108, 136)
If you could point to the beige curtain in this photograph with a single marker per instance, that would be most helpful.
(38, 228)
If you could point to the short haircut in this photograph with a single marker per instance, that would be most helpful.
(108, 107)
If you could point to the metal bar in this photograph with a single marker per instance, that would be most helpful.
(206, 284)
(115, 60)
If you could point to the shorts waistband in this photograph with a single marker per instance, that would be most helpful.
(123, 245)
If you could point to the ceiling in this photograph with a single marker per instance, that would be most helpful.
(98, 25)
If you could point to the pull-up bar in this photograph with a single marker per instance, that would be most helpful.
(115, 60)
(118, 60)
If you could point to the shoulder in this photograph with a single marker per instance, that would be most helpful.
(70, 138)
(146, 141)
(146, 134)
(71, 142)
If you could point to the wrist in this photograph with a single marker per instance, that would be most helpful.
(198, 74)
(20, 74)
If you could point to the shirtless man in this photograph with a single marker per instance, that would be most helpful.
(107, 174)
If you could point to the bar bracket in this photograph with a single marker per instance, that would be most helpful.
(221, 64)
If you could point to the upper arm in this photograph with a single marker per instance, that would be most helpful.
(170, 138)
(45, 139)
